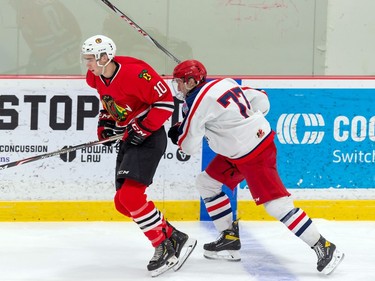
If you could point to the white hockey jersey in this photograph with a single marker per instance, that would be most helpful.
(222, 113)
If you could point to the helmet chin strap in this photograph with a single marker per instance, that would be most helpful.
(181, 95)
(191, 88)
(103, 66)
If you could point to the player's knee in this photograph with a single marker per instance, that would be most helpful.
(118, 205)
(207, 186)
(132, 195)
(278, 208)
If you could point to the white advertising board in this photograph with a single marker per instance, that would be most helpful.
(44, 114)
(39, 116)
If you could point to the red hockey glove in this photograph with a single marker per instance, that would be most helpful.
(136, 133)
(107, 127)
(173, 132)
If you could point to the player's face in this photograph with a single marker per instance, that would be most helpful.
(91, 64)
(179, 87)
(182, 87)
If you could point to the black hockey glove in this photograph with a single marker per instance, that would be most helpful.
(136, 133)
(173, 132)
(107, 127)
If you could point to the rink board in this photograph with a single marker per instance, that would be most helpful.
(341, 210)
(325, 137)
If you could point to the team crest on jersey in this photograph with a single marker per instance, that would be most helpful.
(185, 108)
(260, 133)
(117, 112)
(144, 74)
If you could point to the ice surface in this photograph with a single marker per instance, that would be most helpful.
(111, 251)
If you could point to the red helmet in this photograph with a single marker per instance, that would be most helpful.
(190, 69)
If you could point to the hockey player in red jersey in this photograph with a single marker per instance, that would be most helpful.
(232, 119)
(137, 102)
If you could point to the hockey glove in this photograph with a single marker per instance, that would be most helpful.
(173, 132)
(136, 133)
(107, 127)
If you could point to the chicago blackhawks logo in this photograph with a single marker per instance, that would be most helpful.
(117, 112)
(144, 74)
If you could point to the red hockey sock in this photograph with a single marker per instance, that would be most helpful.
(150, 220)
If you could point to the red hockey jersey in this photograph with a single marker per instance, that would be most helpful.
(134, 91)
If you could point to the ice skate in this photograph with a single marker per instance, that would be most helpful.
(226, 247)
(183, 246)
(328, 256)
(164, 258)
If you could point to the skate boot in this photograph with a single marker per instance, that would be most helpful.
(328, 256)
(183, 246)
(164, 258)
(226, 247)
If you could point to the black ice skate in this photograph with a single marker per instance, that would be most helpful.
(328, 256)
(226, 247)
(183, 246)
(164, 258)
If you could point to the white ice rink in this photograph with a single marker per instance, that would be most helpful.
(109, 251)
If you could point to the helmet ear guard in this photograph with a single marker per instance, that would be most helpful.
(97, 45)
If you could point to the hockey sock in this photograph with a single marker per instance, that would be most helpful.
(119, 207)
(220, 211)
(301, 225)
(149, 219)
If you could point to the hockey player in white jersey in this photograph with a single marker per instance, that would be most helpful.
(232, 119)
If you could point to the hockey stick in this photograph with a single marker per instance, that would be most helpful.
(140, 30)
(58, 152)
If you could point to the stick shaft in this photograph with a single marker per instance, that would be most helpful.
(58, 152)
(140, 30)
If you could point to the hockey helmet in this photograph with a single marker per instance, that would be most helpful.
(190, 69)
(97, 45)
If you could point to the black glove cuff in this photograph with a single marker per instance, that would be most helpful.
(173, 134)
(139, 123)
(107, 123)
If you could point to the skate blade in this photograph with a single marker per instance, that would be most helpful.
(172, 262)
(229, 255)
(189, 248)
(337, 258)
